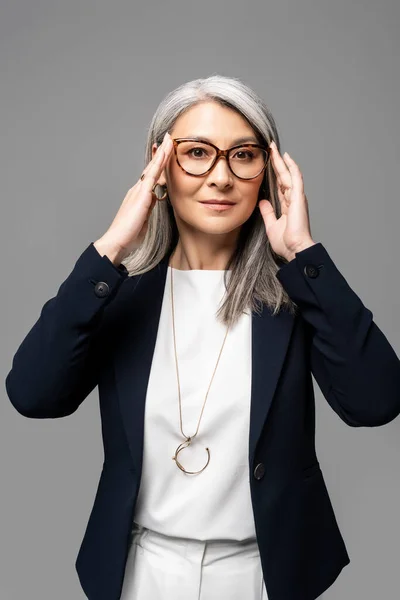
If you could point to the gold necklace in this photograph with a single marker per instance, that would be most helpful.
(188, 439)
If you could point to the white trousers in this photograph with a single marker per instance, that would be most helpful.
(161, 567)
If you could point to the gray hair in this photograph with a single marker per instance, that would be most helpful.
(253, 264)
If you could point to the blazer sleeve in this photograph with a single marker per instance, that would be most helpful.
(57, 364)
(352, 361)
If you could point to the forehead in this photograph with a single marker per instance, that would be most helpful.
(218, 124)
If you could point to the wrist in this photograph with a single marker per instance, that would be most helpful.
(292, 253)
(113, 252)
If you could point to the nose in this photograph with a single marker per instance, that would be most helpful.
(220, 173)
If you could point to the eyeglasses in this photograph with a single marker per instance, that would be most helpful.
(197, 158)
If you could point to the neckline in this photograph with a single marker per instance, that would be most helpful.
(199, 270)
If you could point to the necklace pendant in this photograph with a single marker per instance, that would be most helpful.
(181, 447)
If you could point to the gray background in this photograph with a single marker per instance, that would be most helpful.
(79, 84)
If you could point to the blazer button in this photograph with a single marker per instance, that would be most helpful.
(101, 289)
(259, 471)
(311, 271)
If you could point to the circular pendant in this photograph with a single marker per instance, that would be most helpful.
(186, 444)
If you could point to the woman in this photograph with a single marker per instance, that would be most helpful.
(209, 495)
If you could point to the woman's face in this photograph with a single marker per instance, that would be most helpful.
(223, 127)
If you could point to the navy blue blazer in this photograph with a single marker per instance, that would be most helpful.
(100, 329)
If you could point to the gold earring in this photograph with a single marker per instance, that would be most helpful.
(164, 194)
(154, 187)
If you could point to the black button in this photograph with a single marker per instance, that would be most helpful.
(101, 289)
(311, 271)
(259, 471)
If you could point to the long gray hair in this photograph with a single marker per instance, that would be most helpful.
(253, 264)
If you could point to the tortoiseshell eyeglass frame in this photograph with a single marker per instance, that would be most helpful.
(177, 141)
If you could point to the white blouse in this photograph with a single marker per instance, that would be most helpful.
(216, 503)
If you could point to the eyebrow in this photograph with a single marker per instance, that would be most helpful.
(241, 140)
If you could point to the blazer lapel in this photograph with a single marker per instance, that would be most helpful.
(270, 342)
(133, 358)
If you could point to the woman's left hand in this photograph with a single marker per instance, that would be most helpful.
(291, 232)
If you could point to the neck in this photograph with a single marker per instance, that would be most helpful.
(202, 255)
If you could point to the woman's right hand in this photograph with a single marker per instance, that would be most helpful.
(129, 226)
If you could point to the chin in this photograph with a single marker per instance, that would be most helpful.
(216, 226)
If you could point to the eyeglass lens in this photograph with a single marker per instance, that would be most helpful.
(197, 157)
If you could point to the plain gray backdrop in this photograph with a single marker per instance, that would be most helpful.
(80, 81)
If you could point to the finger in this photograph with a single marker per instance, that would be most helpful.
(159, 165)
(267, 213)
(157, 158)
(152, 175)
(284, 182)
(278, 164)
(284, 199)
(295, 173)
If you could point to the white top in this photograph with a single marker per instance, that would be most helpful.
(215, 503)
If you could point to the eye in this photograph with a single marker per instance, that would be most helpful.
(197, 149)
(244, 154)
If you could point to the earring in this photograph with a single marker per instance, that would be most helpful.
(165, 193)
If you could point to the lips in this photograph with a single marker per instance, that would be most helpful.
(217, 202)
